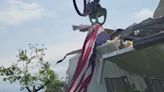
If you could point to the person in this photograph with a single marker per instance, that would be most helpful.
(159, 10)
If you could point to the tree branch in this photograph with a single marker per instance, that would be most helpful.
(28, 89)
(41, 87)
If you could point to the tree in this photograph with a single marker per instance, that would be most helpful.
(32, 71)
(55, 86)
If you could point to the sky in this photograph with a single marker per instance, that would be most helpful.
(49, 22)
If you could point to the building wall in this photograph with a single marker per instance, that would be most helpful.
(72, 66)
(113, 71)
(110, 71)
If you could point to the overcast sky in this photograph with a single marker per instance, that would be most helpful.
(49, 22)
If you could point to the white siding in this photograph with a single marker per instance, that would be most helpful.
(110, 71)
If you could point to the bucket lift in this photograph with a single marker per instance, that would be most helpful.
(93, 9)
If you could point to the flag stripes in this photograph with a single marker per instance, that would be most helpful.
(84, 70)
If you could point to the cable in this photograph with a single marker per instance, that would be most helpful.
(77, 10)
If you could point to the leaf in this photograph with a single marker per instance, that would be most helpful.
(21, 71)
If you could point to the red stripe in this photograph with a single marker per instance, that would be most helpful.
(82, 78)
(82, 61)
(85, 57)
(87, 80)
(86, 40)
(88, 51)
(79, 66)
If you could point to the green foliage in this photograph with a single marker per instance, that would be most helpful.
(11, 73)
(55, 86)
(31, 70)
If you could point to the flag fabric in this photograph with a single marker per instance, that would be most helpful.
(70, 53)
(85, 66)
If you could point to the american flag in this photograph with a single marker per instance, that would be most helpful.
(85, 66)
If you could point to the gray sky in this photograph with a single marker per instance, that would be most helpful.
(49, 22)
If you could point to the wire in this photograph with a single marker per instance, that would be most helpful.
(77, 10)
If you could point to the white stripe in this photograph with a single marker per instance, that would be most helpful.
(100, 30)
(90, 40)
(88, 72)
(90, 68)
(86, 46)
(82, 72)
(87, 62)
(84, 69)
